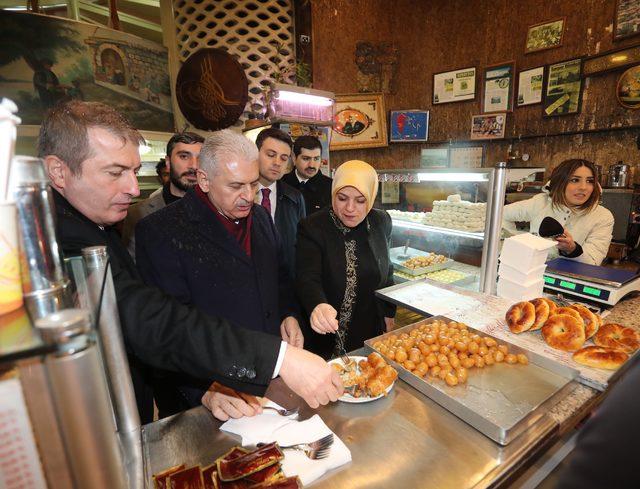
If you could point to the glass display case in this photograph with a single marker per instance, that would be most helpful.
(446, 222)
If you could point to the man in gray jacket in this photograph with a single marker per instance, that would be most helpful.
(183, 150)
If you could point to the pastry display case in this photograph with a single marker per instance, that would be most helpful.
(447, 222)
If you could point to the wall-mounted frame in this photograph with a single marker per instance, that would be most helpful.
(454, 86)
(626, 21)
(408, 126)
(530, 85)
(628, 88)
(488, 126)
(360, 121)
(563, 90)
(611, 60)
(497, 88)
(546, 35)
(434, 158)
(466, 157)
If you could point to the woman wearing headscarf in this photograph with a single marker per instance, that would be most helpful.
(571, 197)
(342, 258)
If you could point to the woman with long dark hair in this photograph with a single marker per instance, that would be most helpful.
(571, 197)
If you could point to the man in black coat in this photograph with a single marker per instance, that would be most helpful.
(91, 156)
(306, 175)
(283, 202)
(218, 251)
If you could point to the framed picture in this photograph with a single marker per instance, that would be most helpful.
(626, 22)
(497, 93)
(488, 126)
(359, 122)
(530, 83)
(547, 35)
(466, 157)
(454, 86)
(434, 158)
(563, 92)
(408, 126)
(628, 90)
(610, 61)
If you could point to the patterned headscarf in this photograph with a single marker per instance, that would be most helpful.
(357, 174)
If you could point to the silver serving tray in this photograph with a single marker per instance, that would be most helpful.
(500, 401)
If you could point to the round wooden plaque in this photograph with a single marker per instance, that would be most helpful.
(212, 89)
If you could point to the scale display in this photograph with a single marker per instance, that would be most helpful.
(577, 287)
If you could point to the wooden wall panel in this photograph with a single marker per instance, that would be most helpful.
(441, 35)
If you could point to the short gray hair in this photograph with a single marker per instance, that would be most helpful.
(222, 145)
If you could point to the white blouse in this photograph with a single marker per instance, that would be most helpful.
(592, 230)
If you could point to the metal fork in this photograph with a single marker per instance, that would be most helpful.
(315, 450)
(282, 412)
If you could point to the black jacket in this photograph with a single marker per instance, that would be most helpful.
(185, 251)
(290, 210)
(162, 333)
(316, 192)
(321, 265)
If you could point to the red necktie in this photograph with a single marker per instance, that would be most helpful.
(266, 202)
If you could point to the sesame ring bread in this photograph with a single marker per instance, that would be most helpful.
(520, 317)
(591, 323)
(563, 332)
(619, 337)
(600, 357)
(542, 313)
(568, 310)
(552, 305)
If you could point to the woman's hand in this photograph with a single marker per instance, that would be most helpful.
(323, 319)
(566, 244)
(225, 403)
(390, 324)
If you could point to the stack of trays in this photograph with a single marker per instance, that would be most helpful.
(522, 266)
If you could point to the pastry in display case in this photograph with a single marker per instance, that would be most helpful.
(441, 219)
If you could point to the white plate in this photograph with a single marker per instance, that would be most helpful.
(356, 400)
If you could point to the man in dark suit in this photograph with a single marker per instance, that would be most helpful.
(218, 251)
(182, 162)
(91, 156)
(306, 175)
(282, 201)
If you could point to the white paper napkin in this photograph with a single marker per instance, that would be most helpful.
(260, 428)
(270, 426)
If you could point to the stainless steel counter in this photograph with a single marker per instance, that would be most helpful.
(404, 440)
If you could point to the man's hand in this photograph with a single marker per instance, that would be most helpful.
(291, 332)
(566, 243)
(323, 319)
(310, 377)
(225, 403)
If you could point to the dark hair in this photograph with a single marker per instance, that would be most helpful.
(64, 131)
(560, 177)
(184, 138)
(275, 133)
(161, 165)
(306, 142)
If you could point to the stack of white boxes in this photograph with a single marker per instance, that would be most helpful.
(522, 265)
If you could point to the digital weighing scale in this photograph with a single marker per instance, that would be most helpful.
(599, 284)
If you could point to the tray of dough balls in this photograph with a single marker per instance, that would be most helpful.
(415, 262)
(498, 388)
(574, 335)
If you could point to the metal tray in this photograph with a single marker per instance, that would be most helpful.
(411, 253)
(467, 279)
(500, 401)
